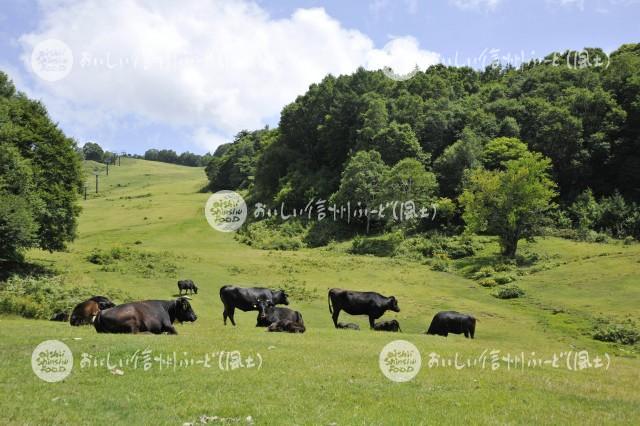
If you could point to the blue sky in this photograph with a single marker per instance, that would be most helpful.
(188, 75)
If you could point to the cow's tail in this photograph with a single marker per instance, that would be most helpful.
(329, 302)
(399, 329)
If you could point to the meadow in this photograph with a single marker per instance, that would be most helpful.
(153, 213)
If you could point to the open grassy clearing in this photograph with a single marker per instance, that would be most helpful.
(325, 375)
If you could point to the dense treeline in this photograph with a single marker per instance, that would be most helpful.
(93, 151)
(40, 177)
(452, 121)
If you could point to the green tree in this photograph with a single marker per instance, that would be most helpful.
(450, 167)
(362, 182)
(93, 152)
(497, 152)
(510, 203)
(409, 181)
(396, 142)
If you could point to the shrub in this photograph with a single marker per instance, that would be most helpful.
(454, 247)
(382, 246)
(508, 292)
(488, 282)
(484, 272)
(40, 297)
(125, 260)
(504, 279)
(440, 262)
(272, 235)
(626, 334)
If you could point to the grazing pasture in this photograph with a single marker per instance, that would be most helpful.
(146, 229)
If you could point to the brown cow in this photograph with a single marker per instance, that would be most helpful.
(84, 312)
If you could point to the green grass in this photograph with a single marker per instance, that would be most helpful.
(325, 375)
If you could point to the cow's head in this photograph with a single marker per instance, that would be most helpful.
(393, 304)
(183, 310)
(263, 305)
(280, 297)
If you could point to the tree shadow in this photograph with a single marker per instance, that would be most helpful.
(23, 269)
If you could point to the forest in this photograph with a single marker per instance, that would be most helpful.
(463, 139)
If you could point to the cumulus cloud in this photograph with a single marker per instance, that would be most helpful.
(212, 67)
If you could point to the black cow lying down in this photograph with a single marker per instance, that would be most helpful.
(348, 325)
(287, 326)
(454, 322)
(369, 303)
(392, 325)
(246, 299)
(153, 316)
(268, 313)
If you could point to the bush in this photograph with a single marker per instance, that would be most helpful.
(125, 260)
(484, 272)
(272, 235)
(383, 246)
(509, 292)
(454, 247)
(440, 262)
(41, 297)
(504, 279)
(626, 334)
(488, 282)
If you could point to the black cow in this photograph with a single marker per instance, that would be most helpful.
(85, 311)
(187, 286)
(287, 326)
(392, 325)
(60, 316)
(268, 313)
(154, 316)
(454, 322)
(369, 303)
(246, 299)
(348, 325)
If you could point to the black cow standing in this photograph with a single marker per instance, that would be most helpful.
(392, 325)
(268, 314)
(369, 303)
(187, 286)
(453, 322)
(154, 316)
(246, 299)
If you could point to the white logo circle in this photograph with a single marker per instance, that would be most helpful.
(52, 361)
(51, 60)
(225, 211)
(400, 361)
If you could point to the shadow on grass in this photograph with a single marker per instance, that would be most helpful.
(23, 269)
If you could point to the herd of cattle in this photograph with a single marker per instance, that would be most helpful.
(158, 316)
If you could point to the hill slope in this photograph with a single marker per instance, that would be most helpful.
(153, 213)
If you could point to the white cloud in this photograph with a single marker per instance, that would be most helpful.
(214, 67)
(578, 4)
(486, 5)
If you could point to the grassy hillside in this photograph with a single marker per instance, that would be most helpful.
(153, 213)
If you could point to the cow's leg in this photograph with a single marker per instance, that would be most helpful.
(372, 321)
(170, 329)
(230, 313)
(466, 334)
(334, 316)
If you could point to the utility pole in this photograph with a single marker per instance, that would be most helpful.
(97, 183)
(107, 162)
(85, 192)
